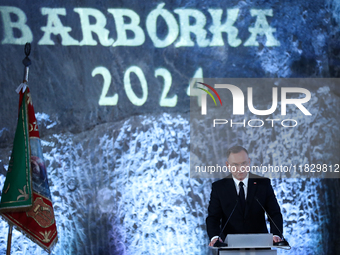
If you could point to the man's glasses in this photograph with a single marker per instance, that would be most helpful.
(245, 163)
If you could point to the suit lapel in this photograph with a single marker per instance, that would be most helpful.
(229, 189)
(252, 187)
(233, 194)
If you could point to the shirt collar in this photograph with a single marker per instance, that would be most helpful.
(245, 181)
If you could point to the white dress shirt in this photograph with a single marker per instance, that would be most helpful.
(245, 186)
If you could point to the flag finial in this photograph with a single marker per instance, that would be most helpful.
(26, 61)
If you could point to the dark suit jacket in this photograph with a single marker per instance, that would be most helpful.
(224, 198)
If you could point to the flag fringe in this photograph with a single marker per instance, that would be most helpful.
(23, 232)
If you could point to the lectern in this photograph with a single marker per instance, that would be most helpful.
(247, 244)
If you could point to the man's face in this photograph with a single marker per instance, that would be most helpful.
(238, 163)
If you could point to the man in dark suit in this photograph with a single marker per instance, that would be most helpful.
(242, 188)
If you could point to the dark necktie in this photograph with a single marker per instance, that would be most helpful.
(242, 197)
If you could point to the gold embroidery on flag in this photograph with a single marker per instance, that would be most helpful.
(23, 194)
(42, 213)
(29, 99)
(7, 188)
(45, 235)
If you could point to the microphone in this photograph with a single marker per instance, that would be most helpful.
(218, 243)
(281, 243)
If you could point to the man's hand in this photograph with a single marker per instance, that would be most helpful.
(276, 239)
(214, 241)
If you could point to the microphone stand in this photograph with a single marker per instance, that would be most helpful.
(281, 243)
(218, 243)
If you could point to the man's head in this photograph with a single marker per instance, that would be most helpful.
(238, 160)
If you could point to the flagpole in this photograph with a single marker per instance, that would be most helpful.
(9, 239)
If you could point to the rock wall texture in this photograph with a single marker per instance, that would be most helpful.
(118, 152)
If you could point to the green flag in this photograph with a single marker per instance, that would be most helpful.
(17, 190)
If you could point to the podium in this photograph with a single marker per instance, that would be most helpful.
(247, 244)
